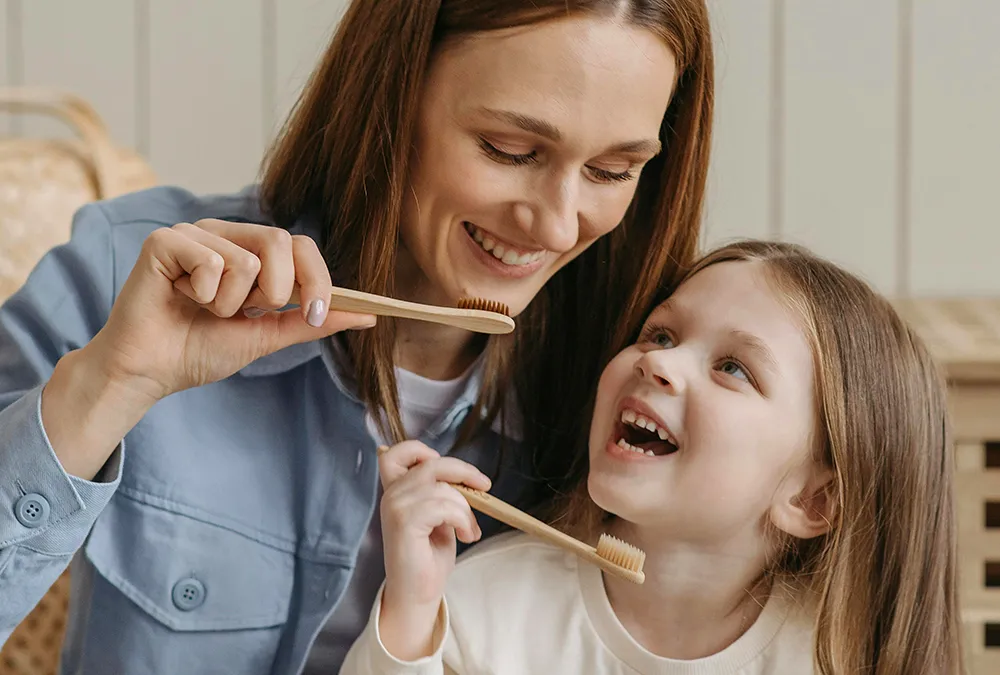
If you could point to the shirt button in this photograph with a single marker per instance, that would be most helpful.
(32, 510)
(188, 594)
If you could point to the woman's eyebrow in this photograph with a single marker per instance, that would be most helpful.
(547, 130)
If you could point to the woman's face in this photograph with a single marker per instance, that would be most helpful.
(529, 146)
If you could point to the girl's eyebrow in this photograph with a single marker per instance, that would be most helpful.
(758, 347)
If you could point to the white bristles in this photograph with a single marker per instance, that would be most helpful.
(620, 553)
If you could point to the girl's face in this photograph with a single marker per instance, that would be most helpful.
(704, 427)
(529, 146)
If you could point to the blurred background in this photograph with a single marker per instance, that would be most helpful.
(866, 129)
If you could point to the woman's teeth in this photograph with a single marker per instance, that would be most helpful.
(501, 253)
(625, 445)
(635, 419)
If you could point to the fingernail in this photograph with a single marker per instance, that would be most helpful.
(363, 326)
(317, 313)
(253, 313)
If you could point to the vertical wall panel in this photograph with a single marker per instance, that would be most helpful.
(955, 236)
(739, 180)
(303, 30)
(10, 43)
(840, 152)
(5, 42)
(87, 48)
(205, 90)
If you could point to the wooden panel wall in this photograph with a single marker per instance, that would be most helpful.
(864, 130)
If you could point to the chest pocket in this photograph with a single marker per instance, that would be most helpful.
(174, 594)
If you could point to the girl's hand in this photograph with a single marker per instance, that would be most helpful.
(421, 516)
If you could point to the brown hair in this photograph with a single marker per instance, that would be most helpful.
(885, 575)
(344, 156)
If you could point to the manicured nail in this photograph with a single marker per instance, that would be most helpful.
(317, 313)
(253, 313)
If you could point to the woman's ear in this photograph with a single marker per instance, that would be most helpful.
(806, 508)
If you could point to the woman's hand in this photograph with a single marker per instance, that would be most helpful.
(195, 309)
(421, 516)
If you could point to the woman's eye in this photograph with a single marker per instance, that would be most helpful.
(733, 368)
(605, 176)
(516, 159)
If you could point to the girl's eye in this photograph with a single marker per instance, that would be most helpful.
(657, 336)
(731, 367)
(515, 159)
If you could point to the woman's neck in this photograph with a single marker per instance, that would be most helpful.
(694, 603)
(432, 350)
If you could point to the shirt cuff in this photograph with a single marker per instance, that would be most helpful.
(39, 501)
(384, 663)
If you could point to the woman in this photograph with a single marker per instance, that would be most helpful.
(547, 155)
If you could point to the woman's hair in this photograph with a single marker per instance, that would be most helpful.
(344, 157)
(885, 575)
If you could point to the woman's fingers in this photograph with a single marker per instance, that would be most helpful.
(240, 270)
(313, 277)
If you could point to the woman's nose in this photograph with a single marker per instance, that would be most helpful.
(553, 217)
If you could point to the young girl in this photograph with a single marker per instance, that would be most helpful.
(776, 442)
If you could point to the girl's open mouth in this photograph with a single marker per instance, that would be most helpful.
(641, 435)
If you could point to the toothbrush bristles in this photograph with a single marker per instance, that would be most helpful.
(620, 553)
(484, 305)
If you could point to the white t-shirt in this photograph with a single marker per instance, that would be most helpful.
(516, 605)
(422, 402)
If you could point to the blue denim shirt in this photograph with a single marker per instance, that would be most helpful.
(223, 530)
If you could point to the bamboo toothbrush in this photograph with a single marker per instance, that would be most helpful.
(475, 314)
(612, 555)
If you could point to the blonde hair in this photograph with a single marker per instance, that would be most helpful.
(885, 574)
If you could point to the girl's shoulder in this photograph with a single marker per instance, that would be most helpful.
(512, 568)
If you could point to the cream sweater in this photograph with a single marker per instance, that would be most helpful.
(517, 606)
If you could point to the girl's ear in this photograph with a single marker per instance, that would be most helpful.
(806, 508)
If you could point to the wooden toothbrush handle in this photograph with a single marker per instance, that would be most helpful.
(349, 300)
(505, 513)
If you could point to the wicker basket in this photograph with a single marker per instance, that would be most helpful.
(42, 183)
(964, 336)
(33, 649)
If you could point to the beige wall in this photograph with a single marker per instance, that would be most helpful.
(866, 129)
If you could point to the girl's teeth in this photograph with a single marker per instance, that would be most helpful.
(628, 417)
(625, 445)
(662, 433)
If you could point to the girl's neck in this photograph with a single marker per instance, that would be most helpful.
(694, 603)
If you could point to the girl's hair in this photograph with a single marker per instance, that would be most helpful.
(344, 157)
(885, 574)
